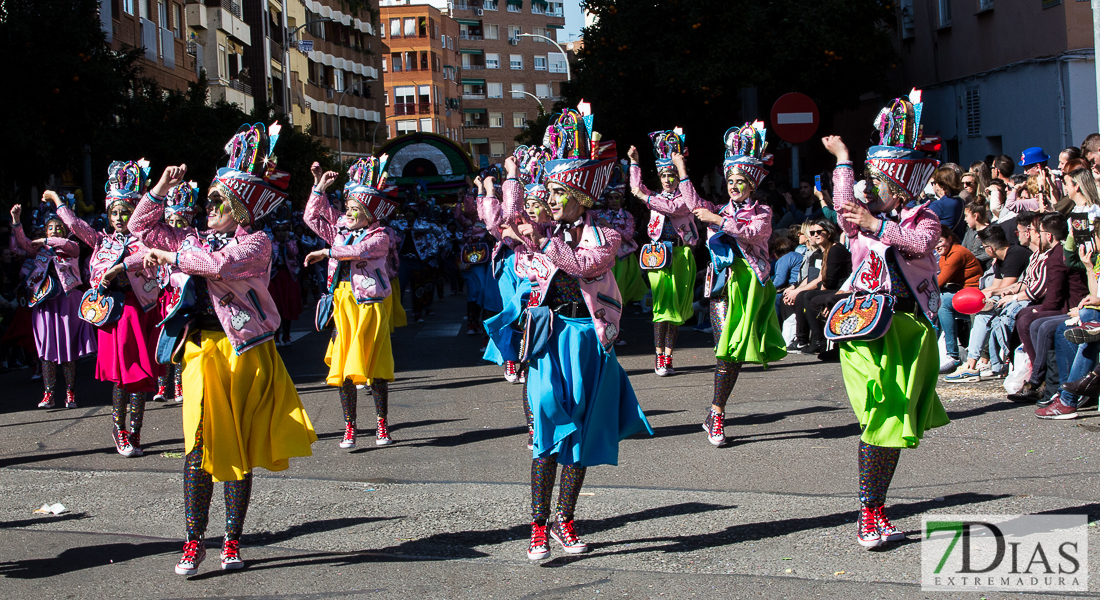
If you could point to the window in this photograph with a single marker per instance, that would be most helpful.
(557, 62)
(497, 148)
(426, 125)
(410, 27)
(384, 62)
(424, 61)
(395, 58)
(404, 127)
(556, 10)
(945, 13)
(496, 119)
(537, 9)
(542, 90)
(410, 61)
(489, 4)
(395, 28)
(973, 113)
(985, 5)
(425, 95)
(496, 90)
(539, 31)
(437, 66)
(492, 61)
(514, 31)
(128, 6)
(386, 97)
(223, 62)
(338, 79)
(177, 15)
(514, 8)
(492, 32)
(540, 63)
(517, 91)
(519, 120)
(515, 62)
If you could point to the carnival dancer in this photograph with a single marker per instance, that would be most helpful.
(179, 211)
(285, 266)
(240, 409)
(890, 377)
(359, 352)
(742, 295)
(60, 335)
(582, 400)
(614, 213)
(482, 293)
(127, 346)
(668, 259)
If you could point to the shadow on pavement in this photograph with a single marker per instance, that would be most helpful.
(33, 458)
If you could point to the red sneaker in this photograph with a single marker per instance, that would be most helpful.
(122, 441)
(382, 433)
(179, 390)
(349, 436)
(540, 547)
(886, 529)
(231, 555)
(1056, 410)
(659, 367)
(161, 394)
(867, 533)
(70, 399)
(715, 427)
(563, 532)
(47, 400)
(193, 554)
(510, 374)
(668, 366)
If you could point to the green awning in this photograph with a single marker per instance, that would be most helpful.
(518, 3)
(470, 51)
(554, 26)
(474, 110)
(473, 81)
(468, 22)
(477, 140)
(544, 3)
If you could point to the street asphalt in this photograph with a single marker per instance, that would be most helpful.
(444, 512)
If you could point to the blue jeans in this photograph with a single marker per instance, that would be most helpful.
(1000, 330)
(979, 334)
(947, 316)
(1075, 360)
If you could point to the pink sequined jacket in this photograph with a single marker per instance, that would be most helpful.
(105, 252)
(913, 238)
(750, 225)
(591, 262)
(393, 261)
(64, 253)
(673, 208)
(237, 274)
(366, 256)
(512, 213)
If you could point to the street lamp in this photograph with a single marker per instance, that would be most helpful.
(541, 107)
(568, 71)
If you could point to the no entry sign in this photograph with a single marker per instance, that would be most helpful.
(795, 117)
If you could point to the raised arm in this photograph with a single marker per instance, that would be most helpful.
(489, 210)
(582, 261)
(693, 200)
(80, 229)
(147, 223)
(375, 245)
(249, 257)
(320, 216)
(512, 206)
(21, 241)
(844, 193)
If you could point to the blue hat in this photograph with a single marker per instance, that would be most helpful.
(1033, 156)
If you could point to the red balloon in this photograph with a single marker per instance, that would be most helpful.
(969, 301)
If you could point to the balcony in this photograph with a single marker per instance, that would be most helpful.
(473, 67)
(233, 92)
(466, 96)
(276, 50)
(233, 8)
(465, 35)
(475, 125)
(240, 86)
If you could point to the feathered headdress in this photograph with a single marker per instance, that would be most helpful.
(182, 200)
(366, 187)
(667, 143)
(250, 181)
(895, 160)
(745, 147)
(126, 182)
(576, 150)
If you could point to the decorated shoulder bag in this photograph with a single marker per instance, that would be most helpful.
(655, 256)
(322, 319)
(101, 307)
(863, 315)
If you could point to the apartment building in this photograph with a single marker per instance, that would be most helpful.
(342, 91)
(421, 71)
(506, 77)
(1000, 76)
(159, 27)
(217, 40)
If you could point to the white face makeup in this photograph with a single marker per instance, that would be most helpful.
(119, 218)
(356, 216)
(56, 229)
(669, 181)
(738, 187)
(562, 207)
(219, 215)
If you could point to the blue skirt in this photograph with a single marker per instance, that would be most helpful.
(503, 339)
(581, 398)
(481, 288)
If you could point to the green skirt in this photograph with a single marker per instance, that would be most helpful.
(751, 331)
(628, 276)
(673, 288)
(891, 383)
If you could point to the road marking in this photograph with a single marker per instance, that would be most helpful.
(794, 118)
(439, 330)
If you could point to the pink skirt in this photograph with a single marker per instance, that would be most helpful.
(127, 349)
(287, 294)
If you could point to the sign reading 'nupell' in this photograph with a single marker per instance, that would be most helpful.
(795, 117)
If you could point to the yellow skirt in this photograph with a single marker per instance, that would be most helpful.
(398, 318)
(360, 347)
(250, 413)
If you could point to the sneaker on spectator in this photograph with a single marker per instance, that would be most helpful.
(950, 366)
(964, 375)
(1086, 403)
(1057, 410)
(1046, 400)
(1028, 394)
(990, 374)
(1085, 334)
(796, 348)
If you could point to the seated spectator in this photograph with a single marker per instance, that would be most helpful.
(787, 266)
(1009, 263)
(947, 205)
(958, 269)
(808, 305)
(977, 218)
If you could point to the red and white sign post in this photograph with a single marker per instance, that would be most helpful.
(795, 119)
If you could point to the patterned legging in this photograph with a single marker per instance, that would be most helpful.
(349, 398)
(664, 336)
(198, 488)
(543, 471)
(135, 402)
(49, 375)
(726, 372)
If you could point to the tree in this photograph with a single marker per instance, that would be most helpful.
(655, 64)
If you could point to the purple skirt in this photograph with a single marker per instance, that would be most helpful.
(60, 335)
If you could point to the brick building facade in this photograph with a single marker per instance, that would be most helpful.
(160, 28)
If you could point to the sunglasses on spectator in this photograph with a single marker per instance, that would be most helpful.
(817, 232)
